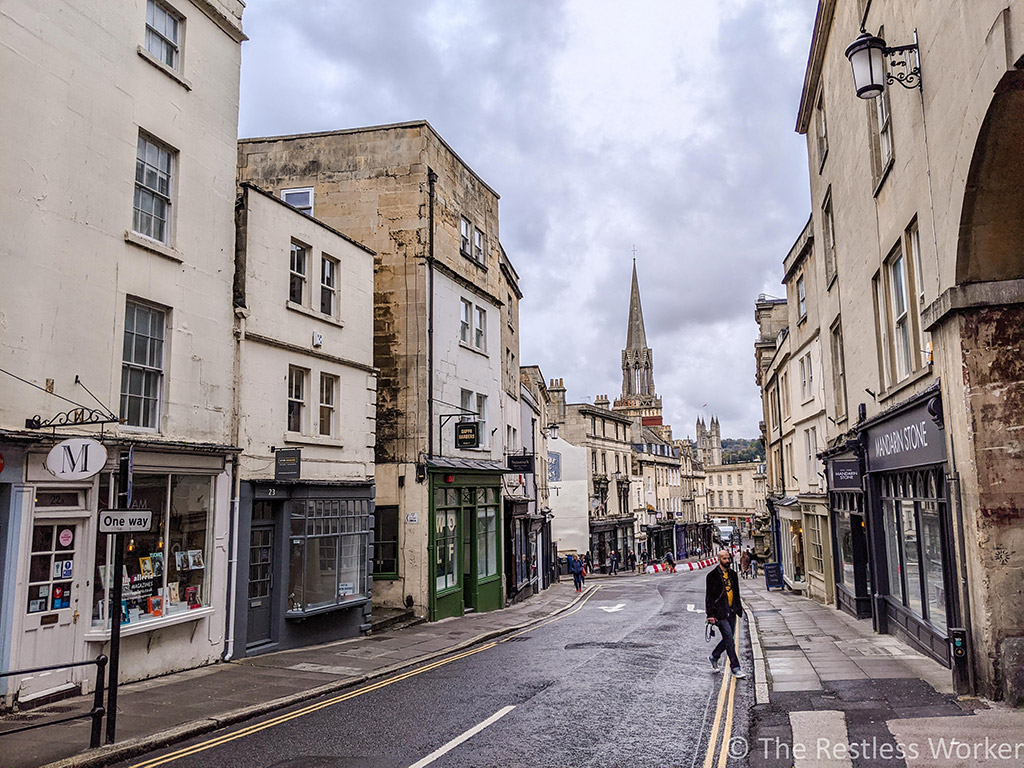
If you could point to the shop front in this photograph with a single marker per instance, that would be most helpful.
(58, 566)
(305, 547)
(910, 525)
(465, 539)
(520, 543)
(851, 561)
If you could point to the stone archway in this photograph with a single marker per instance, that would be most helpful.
(991, 240)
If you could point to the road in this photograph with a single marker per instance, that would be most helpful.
(622, 679)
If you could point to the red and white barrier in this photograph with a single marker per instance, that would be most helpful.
(662, 568)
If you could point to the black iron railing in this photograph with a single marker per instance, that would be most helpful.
(96, 713)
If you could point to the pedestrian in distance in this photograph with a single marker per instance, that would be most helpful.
(576, 569)
(670, 562)
(588, 561)
(614, 561)
(632, 561)
(755, 562)
(745, 564)
(722, 606)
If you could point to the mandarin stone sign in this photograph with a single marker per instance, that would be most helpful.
(78, 458)
(845, 474)
(909, 439)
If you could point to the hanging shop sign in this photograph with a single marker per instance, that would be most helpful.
(518, 462)
(78, 458)
(909, 439)
(467, 434)
(287, 463)
(845, 475)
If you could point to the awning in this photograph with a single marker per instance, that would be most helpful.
(465, 465)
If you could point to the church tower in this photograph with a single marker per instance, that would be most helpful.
(709, 442)
(639, 398)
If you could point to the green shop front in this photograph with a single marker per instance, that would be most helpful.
(465, 536)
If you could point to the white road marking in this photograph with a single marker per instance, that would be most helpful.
(464, 737)
(691, 609)
(618, 607)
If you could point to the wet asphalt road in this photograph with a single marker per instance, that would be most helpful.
(629, 686)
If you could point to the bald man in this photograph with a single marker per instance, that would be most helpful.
(722, 605)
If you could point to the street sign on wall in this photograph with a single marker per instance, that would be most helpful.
(287, 463)
(125, 520)
(518, 462)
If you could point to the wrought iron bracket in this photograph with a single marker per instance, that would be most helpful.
(903, 68)
(72, 417)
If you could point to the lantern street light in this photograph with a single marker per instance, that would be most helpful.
(867, 57)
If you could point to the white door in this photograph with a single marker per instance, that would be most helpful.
(57, 585)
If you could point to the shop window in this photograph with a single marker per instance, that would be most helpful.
(446, 539)
(817, 563)
(487, 532)
(166, 569)
(385, 542)
(329, 538)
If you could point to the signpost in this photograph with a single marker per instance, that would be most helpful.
(287, 463)
(125, 520)
(519, 462)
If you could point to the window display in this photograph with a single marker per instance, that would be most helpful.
(329, 539)
(156, 584)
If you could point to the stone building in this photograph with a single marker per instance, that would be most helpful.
(304, 421)
(439, 295)
(789, 349)
(918, 213)
(658, 504)
(607, 436)
(568, 482)
(118, 246)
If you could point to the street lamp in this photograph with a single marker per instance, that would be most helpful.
(867, 57)
(551, 431)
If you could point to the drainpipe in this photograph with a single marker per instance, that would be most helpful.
(431, 180)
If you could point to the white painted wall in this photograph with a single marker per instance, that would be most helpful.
(569, 498)
(459, 366)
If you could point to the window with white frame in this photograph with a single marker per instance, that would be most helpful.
(481, 416)
(819, 113)
(163, 28)
(466, 322)
(328, 397)
(900, 316)
(480, 329)
(154, 169)
(328, 285)
(300, 198)
(784, 394)
(730, 499)
(142, 367)
(829, 230)
(838, 370)
(801, 297)
(465, 233)
(297, 378)
(297, 266)
(815, 550)
(739, 497)
(811, 446)
(884, 129)
(474, 408)
(478, 246)
(913, 244)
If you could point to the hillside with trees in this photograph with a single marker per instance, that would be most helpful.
(736, 450)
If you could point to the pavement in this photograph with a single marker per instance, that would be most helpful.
(160, 711)
(832, 692)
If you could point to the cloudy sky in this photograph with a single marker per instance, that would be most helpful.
(661, 124)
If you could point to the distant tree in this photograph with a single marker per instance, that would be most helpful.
(737, 450)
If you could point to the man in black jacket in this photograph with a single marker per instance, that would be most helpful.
(722, 605)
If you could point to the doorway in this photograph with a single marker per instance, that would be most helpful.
(262, 536)
(51, 629)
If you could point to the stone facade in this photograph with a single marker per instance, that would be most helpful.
(917, 206)
(439, 294)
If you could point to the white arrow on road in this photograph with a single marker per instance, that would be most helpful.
(618, 607)
(691, 609)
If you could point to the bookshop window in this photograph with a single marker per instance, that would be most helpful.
(329, 539)
(165, 569)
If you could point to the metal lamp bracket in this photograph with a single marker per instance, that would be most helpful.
(902, 68)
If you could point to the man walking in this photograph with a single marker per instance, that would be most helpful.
(722, 606)
(576, 569)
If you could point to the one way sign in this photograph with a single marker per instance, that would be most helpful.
(125, 520)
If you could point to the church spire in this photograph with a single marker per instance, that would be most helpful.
(636, 337)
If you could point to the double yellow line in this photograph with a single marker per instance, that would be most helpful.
(726, 693)
(308, 710)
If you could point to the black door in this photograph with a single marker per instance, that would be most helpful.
(261, 583)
